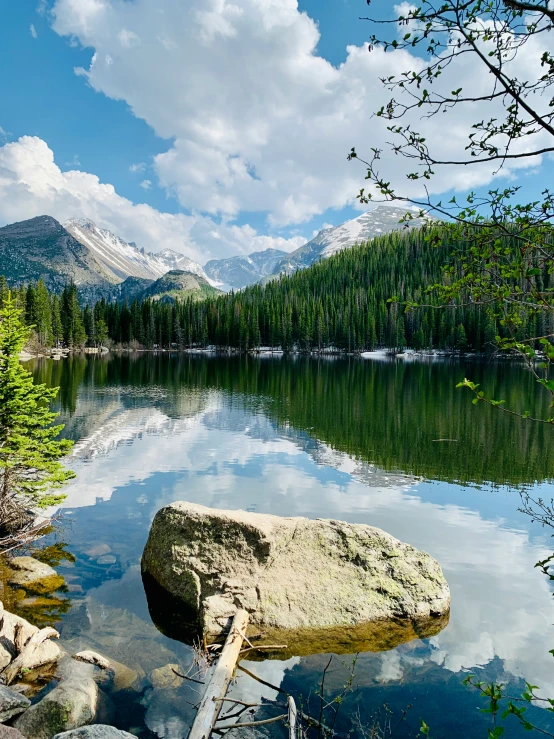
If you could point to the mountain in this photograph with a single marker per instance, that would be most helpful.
(178, 284)
(121, 259)
(366, 227)
(237, 272)
(41, 247)
(131, 289)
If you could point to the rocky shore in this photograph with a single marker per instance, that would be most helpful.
(45, 691)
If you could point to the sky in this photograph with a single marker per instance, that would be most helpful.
(212, 127)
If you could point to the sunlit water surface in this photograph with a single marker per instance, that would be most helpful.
(350, 439)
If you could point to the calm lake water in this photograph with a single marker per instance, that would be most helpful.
(351, 439)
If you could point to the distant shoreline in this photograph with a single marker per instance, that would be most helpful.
(377, 354)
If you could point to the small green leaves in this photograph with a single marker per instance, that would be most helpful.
(423, 728)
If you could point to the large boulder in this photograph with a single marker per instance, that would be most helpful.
(289, 573)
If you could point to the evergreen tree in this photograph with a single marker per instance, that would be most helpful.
(74, 334)
(30, 470)
(57, 327)
(43, 315)
(3, 290)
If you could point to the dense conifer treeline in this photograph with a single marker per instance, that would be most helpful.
(341, 302)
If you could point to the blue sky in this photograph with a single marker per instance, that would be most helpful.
(86, 129)
(44, 97)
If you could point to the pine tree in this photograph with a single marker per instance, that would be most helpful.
(101, 333)
(74, 334)
(57, 327)
(43, 315)
(30, 470)
(3, 290)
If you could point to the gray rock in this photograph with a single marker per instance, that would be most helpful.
(8, 732)
(12, 703)
(97, 731)
(6, 656)
(72, 704)
(289, 573)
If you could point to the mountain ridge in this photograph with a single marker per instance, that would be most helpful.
(242, 270)
(381, 220)
(40, 247)
(122, 259)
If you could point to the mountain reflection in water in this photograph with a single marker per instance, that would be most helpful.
(346, 439)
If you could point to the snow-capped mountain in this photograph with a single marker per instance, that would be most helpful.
(173, 260)
(121, 259)
(329, 241)
(237, 272)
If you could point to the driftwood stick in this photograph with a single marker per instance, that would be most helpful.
(252, 723)
(187, 677)
(292, 717)
(25, 658)
(259, 679)
(239, 703)
(210, 706)
(263, 647)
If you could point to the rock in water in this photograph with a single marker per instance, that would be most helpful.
(33, 575)
(72, 704)
(289, 573)
(97, 731)
(12, 703)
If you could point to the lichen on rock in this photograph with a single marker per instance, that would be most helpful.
(289, 573)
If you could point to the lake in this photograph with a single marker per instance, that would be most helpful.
(389, 443)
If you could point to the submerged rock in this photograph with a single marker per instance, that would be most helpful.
(166, 677)
(33, 575)
(289, 573)
(12, 703)
(97, 731)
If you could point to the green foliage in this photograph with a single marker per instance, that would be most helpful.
(503, 255)
(500, 706)
(30, 470)
(74, 334)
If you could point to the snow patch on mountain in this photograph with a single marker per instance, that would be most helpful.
(121, 259)
(329, 241)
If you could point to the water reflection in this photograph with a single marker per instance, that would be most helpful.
(346, 440)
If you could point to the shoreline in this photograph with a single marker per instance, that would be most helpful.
(384, 354)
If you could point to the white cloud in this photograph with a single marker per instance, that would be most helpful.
(146, 184)
(259, 121)
(32, 184)
(33, 30)
(139, 167)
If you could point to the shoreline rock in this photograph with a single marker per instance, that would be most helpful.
(289, 573)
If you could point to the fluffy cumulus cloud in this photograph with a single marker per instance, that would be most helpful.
(258, 120)
(32, 184)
